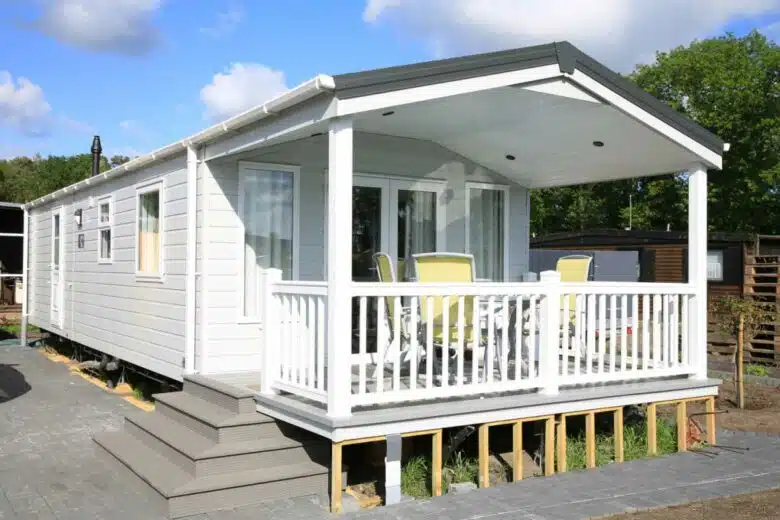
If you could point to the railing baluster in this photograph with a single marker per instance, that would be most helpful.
(491, 340)
(518, 338)
(382, 345)
(505, 339)
(397, 343)
(321, 347)
(591, 333)
(476, 340)
(429, 350)
(623, 332)
(578, 343)
(667, 334)
(674, 330)
(461, 339)
(634, 331)
(602, 331)
(414, 347)
(613, 340)
(533, 338)
(646, 332)
(657, 330)
(362, 343)
(311, 324)
(565, 317)
(290, 338)
(684, 332)
(445, 340)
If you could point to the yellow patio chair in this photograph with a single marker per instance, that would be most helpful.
(386, 274)
(573, 268)
(452, 268)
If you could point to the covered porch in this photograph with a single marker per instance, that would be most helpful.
(345, 343)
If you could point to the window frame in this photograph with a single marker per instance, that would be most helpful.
(244, 169)
(141, 189)
(720, 253)
(471, 185)
(108, 199)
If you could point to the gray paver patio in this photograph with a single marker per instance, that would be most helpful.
(49, 469)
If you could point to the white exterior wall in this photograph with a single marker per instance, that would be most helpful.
(106, 307)
(234, 344)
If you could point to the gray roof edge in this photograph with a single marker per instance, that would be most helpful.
(568, 57)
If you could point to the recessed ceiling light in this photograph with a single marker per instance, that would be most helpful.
(315, 134)
(388, 113)
(598, 144)
(510, 157)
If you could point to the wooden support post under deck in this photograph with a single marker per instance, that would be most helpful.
(618, 429)
(517, 451)
(484, 456)
(436, 463)
(561, 441)
(652, 437)
(682, 426)
(711, 427)
(335, 477)
(549, 446)
(590, 440)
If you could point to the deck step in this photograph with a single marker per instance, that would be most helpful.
(214, 422)
(187, 495)
(232, 398)
(200, 457)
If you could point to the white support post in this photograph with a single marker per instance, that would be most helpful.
(339, 308)
(393, 469)
(550, 332)
(697, 269)
(189, 302)
(25, 272)
(271, 323)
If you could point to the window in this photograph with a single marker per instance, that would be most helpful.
(268, 207)
(105, 224)
(715, 265)
(149, 260)
(486, 229)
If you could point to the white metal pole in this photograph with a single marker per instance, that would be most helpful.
(25, 289)
(697, 268)
(339, 313)
(189, 305)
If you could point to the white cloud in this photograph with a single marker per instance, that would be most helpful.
(23, 105)
(225, 22)
(618, 32)
(243, 86)
(122, 26)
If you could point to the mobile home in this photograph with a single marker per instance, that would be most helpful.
(241, 260)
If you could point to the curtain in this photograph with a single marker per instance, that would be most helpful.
(486, 232)
(149, 233)
(417, 219)
(268, 224)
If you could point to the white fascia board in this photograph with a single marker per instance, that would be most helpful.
(713, 159)
(385, 100)
(294, 96)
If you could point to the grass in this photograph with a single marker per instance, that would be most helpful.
(756, 370)
(16, 328)
(634, 442)
(416, 474)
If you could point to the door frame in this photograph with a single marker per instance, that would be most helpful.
(57, 314)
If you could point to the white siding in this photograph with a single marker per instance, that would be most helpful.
(106, 307)
(234, 345)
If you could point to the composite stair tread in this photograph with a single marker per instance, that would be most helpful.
(211, 414)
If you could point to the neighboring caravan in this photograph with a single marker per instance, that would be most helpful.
(239, 260)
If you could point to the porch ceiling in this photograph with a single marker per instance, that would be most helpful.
(549, 128)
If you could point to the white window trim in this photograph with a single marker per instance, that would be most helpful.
(243, 168)
(140, 189)
(109, 199)
(497, 187)
(720, 253)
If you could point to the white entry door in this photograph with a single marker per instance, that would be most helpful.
(57, 267)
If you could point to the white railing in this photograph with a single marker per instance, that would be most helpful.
(413, 341)
(621, 331)
(425, 343)
(298, 310)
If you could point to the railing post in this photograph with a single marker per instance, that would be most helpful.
(271, 324)
(550, 332)
(697, 269)
(339, 300)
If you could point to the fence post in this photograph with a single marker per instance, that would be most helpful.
(271, 324)
(550, 332)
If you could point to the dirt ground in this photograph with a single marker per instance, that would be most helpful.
(756, 506)
(761, 413)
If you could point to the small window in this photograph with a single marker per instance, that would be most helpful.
(149, 237)
(105, 231)
(715, 266)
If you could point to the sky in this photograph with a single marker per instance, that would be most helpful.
(145, 73)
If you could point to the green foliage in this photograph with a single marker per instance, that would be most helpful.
(416, 474)
(756, 370)
(754, 314)
(729, 85)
